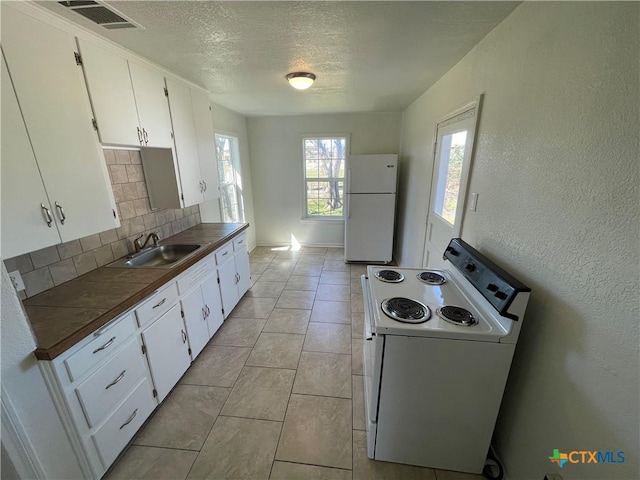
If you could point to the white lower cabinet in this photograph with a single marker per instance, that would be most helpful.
(167, 350)
(108, 384)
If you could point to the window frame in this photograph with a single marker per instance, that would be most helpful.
(237, 166)
(322, 136)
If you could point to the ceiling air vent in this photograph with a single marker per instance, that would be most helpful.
(100, 13)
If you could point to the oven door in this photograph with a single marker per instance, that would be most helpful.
(372, 363)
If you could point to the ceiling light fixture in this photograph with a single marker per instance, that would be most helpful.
(301, 80)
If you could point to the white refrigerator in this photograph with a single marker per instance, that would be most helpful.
(371, 206)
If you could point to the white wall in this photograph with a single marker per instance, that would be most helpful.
(23, 388)
(276, 164)
(228, 122)
(557, 170)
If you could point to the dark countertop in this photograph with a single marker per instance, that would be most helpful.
(66, 314)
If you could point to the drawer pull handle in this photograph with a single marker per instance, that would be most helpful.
(61, 213)
(225, 253)
(160, 303)
(184, 336)
(47, 212)
(204, 314)
(120, 377)
(240, 241)
(208, 311)
(130, 419)
(108, 344)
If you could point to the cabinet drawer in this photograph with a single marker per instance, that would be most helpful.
(196, 274)
(224, 253)
(120, 427)
(157, 304)
(102, 391)
(100, 348)
(240, 242)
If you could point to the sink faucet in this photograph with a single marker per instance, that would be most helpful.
(152, 236)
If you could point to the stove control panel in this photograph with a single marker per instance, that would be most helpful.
(496, 285)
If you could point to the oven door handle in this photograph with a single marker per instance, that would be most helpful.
(368, 329)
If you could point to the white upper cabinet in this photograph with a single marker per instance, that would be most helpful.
(128, 99)
(50, 89)
(206, 143)
(27, 221)
(153, 110)
(111, 92)
(184, 130)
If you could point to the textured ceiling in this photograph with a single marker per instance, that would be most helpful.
(367, 55)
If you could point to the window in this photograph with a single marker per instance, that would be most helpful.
(452, 152)
(231, 205)
(324, 159)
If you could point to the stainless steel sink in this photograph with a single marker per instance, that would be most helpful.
(163, 256)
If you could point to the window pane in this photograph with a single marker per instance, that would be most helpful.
(325, 198)
(226, 162)
(229, 203)
(448, 187)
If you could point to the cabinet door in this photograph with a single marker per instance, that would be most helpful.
(111, 93)
(244, 271)
(196, 321)
(206, 143)
(212, 303)
(228, 285)
(24, 222)
(153, 109)
(167, 351)
(53, 99)
(184, 131)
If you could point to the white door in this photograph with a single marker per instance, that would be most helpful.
(167, 351)
(228, 285)
(184, 130)
(206, 143)
(55, 106)
(27, 221)
(212, 304)
(452, 163)
(111, 93)
(153, 109)
(244, 271)
(195, 320)
(372, 173)
(369, 227)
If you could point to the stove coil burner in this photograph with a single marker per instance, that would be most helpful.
(432, 278)
(457, 316)
(389, 276)
(406, 310)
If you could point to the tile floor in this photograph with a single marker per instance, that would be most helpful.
(278, 392)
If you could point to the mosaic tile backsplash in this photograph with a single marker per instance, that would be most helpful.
(52, 266)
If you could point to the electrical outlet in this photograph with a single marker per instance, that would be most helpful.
(16, 279)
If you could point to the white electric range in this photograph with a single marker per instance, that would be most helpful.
(437, 352)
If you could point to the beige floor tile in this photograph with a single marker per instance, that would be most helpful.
(356, 286)
(327, 374)
(302, 282)
(266, 289)
(217, 366)
(311, 258)
(335, 264)
(333, 293)
(328, 337)
(238, 448)
(357, 302)
(451, 475)
(367, 469)
(298, 471)
(184, 419)
(325, 311)
(335, 278)
(310, 270)
(358, 402)
(261, 393)
(279, 350)
(257, 267)
(357, 270)
(357, 324)
(314, 250)
(238, 332)
(261, 257)
(275, 275)
(250, 307)
(288, 320)
(317, 430)
(296, 299)
(150, 463)
(356, 356)
(265, 249)
(284, 263)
